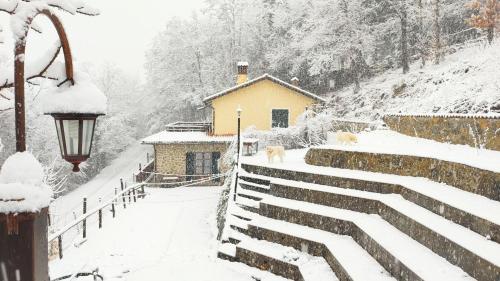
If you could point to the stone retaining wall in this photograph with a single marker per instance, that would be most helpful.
(471, 179)
(475, 131)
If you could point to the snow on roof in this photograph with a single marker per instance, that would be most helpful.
(242, 63)
(265, 76)
(21, 185)
(166, 137)
(83, 97)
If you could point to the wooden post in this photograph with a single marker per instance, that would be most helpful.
(59, 242)
(129, 197)
(123, 195)
(100, 218)
(133, 193)
(84, 220)
(140, 167)
(147, 158)
(113, 209)
(143, 193)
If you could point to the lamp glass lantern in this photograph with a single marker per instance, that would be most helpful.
(75, 132)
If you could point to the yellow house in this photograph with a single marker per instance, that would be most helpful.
(191, 150)
(266, 102)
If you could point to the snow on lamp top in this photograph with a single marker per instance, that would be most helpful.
(21, 185)
(84, 97)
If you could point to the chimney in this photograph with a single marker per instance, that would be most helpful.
(295, 81)
(242, 72)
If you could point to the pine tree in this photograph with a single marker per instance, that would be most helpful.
(486, 16)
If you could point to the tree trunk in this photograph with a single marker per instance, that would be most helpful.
(491, 33)
(355, 75)
(404, 41)
(422, 47)
(437, 33)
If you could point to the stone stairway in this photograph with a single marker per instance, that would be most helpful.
(368, 218)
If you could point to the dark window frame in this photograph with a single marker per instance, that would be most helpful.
(277, 123)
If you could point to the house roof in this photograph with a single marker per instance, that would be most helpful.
(166, 137)
(258, 79)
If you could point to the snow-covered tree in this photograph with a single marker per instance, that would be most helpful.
(486, 16)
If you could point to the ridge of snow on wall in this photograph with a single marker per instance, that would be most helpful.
(21, 185)
(472, 116)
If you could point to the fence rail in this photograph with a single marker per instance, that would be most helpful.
(135, 191)
(124, 197)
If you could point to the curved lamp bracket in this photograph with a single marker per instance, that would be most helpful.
(19, 79)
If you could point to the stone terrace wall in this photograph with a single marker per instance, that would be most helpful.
(471, 179)
(475, 130)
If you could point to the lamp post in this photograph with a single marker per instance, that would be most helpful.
(238, 112)
(23, 235)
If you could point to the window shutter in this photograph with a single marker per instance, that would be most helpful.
(190, 163)
(215, 162)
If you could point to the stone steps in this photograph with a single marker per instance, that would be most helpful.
(344, 226)
(459, 245)
(346, 258)
(472, 211)
(277, 259)
(398, 253)
(468, 178)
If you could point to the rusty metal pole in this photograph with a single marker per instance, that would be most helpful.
(84, 220)
(23, 237)
(238, 155)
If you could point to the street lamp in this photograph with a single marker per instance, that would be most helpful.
(75, 132)
(238, 112)
(23, 228)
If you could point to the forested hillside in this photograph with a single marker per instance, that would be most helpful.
(328, 45)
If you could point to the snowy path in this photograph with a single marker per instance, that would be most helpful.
(167, 236)
(102, 186)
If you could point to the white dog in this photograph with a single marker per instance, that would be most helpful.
(273, 151)
(346, 138)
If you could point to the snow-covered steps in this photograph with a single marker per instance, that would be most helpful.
(249, 193)
(399, 254)
(253, 183)
(470, 210)
(227, 252)
(346, 258)
(283, 261)
(477, 253)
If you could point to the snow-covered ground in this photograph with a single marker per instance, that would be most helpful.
(102, 186)
(169, 235)
(465, 82)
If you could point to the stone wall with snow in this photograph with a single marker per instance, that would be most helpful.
(477, 131)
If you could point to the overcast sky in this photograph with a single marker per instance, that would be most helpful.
(124, 30)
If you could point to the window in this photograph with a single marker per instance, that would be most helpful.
(202, 163)
(280, 118)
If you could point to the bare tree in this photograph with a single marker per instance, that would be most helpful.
(437, 44)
